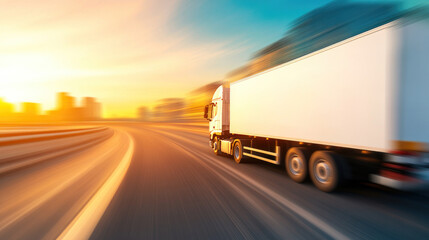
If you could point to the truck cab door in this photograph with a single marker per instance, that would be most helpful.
(214, 116)
(217, 119)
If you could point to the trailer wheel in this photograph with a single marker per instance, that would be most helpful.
(296, 164)
(237, 152)
(324, 170)
(216, 146)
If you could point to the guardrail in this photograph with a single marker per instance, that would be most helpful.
(17, 152)
(32, 136)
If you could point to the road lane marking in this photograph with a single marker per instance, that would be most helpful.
(309, 217)
(200, 132)
(85, 222)
(319, 223)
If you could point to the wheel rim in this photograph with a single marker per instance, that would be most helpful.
(296, 165)
(322, 171)
(215, 145)
(237, 152)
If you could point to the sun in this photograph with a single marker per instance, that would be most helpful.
(20, 72)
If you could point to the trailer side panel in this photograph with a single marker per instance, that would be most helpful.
(340, 96)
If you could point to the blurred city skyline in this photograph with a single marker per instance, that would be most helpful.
(71, 108)
(67, 109)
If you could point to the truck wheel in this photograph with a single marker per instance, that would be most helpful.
(296, 164)
(216, 146)
(324, 170)
(237, 152)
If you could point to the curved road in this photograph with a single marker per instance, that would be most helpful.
(162, 181)
(176, 188)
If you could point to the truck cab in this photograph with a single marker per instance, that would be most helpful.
(217, 112)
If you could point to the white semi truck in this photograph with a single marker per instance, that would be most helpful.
(358, 109)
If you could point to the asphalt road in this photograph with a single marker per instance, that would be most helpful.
(174, 187)
(45, 184)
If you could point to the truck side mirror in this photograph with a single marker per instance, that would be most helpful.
(206, 110)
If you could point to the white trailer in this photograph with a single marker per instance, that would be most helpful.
(356, 109)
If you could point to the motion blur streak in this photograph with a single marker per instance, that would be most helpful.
(38, 201)
(83, 225)
(161, 181)
(175, 189)
(271, 195)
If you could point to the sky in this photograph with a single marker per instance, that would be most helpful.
(131, 53)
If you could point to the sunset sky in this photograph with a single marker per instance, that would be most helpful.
(130, 53)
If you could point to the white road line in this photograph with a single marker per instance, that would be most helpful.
(317, 222)
(85, 222)
(11, 219)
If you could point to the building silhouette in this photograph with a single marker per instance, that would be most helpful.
(169, 109)
(143, 113)
(91, 109)
(66, 110)
(30, 109)
(6, 110)
(30, 112)
(190, 108)
(65, 101)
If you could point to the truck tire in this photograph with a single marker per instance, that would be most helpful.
(325, 170)
(237, 152)
(216, 146)
(296, 164)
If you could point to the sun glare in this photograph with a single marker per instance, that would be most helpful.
(24, 68)
(21, 72)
